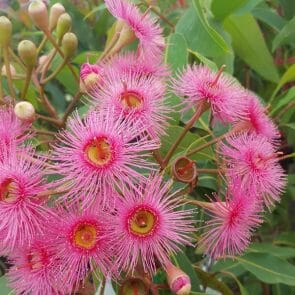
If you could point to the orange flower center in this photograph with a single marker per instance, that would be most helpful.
(99, 151)
(85, 236)
(142, 222)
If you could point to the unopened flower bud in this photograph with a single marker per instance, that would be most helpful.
(90, 77)
(185, 170)
(39, 15)
(55, 12)
(25, 111)
(69, 44)
(63, 26)
(12, 70)
(126, 36)
(133, 286)
(5, 31)
(179, 282)
(28, 53)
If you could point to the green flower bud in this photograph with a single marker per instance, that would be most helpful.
(55, 12)
(69, 45)
(28, 53)
(39, 15)
(5, 31)
(25, 111)
(63, 26)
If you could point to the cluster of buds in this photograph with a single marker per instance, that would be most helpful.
(114, 212)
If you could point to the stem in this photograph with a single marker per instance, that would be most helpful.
(213, 171)
(102, 288)
(51, 39)
(159, 14)
(56, 122)
(55, 73)
(286, 156)
(8, 73)
(41, 45)
(17, 59)
(27, 83)
(111, 44)
(201, 108)
(71, 106)
(197, 203)
(203, 146)
(44, 132)
(43, 97)
(158, 157)
(1, 86)
(43, 69)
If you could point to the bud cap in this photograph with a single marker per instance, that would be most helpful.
(69, 44)
(25, 111)
(39, 15)
(178, 281)
(5, 31)
(28, 53)
(63, 26)
(55, 12)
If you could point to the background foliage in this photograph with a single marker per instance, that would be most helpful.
(255, 40)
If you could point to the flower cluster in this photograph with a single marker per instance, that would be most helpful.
(110, 211)
(249, 157)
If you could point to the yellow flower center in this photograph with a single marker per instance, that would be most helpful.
(99, 151)
(142, 222)
(131, 100)
(85, 236)
(7, 189)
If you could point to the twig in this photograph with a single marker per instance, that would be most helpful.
(8, 73)
(71, 106)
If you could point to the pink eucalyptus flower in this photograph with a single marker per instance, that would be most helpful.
(32, 270)
(254, 160)
(80, 240)
(12, 130)
(23, 213)
(139, 98)
(143, 26)
(98, 152)
(131, 62)
(231, 223)
(149, 224)
(91, 77)
(255, 120)
(199, 84)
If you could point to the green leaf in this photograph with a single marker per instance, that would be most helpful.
(282, 252)
(176, 54)
(270, 17)
(173, 132)
(285, 238)
(269, 269)
(180, 260)
(285, 36)
(288, 76)
(221, 9)
(283, 101)
(3, 286)
(200, 36)
(213, 282)
(229, 265)
(204, 60)
(249, 44)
